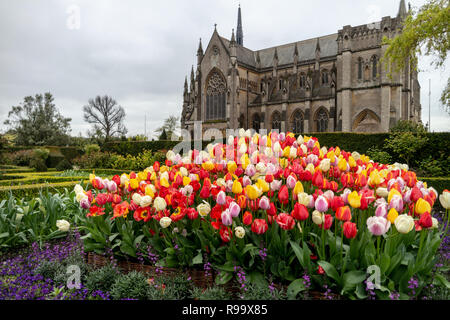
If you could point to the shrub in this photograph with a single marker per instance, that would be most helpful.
(378, 155)
(63, 165)
(76, 259)
(133, 285)
(102, 279)
(21, 157)
(48, 269)
(168, 287)
(94, 160)
(212, 293)
(41, 153)
(90, 148)
(38, 164)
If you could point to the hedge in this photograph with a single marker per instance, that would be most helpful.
(33, 190)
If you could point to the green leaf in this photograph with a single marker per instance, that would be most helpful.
(198, 258)
(257, 278)
(294, 288)
(442, 280)
(228, 267)
(299, 253)
(330, 270)
(125, 248)
(223, 277)
(385, 261)
(4, 235)
(352, 278)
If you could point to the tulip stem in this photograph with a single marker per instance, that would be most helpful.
(342, 242)
(378, 249)
(323, 241)
(422, 238)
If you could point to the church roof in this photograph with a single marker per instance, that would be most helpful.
(306, 50)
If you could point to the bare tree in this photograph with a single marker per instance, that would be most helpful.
(106, 116)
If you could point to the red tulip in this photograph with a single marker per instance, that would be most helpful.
(192, 213)
(328, 222)
(283, 195)
(259, 226)
(272, 211)
(416, 194)
(320, 270)
(344, 213)
(336, 203)
(247, 219)
(285, 221)
(225, 233)
(425, 220)
(350, 230)
(204, 193)
(300, 212)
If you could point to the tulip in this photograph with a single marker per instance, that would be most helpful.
(298, 188)
(237, 187)
(392, 215)
(435, 223)
(264, 203)
(146, 201)
(425, 220)
(422, 206)
(404, 223)
(85, 203)
(378, 225)
(444, 199)
(221, 198)
(354, 199)
(350, 230)
(285, 221)
(300, 212)
(396, 203)
(204, 209)
(239, 232)
(247, 219)
(283, 195)
(275, 185)
(321, 204)
(63, 225)
(226, 218)
(327, 222)
(324, 165)
(225, 234)
(382, 192)
(381, 210)
(344, 213)
(235, 209)
(317, 217)
(159, 204)
(259, 226)
(290, 182)
(165, 222)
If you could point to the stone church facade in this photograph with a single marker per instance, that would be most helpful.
(332, 83)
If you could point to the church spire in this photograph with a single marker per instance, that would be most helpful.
(199, 53)
(239, 33)
(401, 9)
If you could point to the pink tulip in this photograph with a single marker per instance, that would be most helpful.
(329, 194)
(275, 185)
(396, 203)
(85, 204)
(234, 209)
(227, 219)
(321, 204)
(310, 143)
(407, 196)
(246, 181)
(381, 210)
(221, 198)
(250, 170)
(290, 182)
(345, 194)
(282, 136)
(264, 203)
(378, 225)
(311, 203)
(379, 202)
(111, 186)
(271, 169)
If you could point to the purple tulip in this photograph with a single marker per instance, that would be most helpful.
(321, 204)
(221, 198)
(264, 203)
(227, 219)
(234, 209)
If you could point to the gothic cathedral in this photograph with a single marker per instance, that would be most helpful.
(332, 83)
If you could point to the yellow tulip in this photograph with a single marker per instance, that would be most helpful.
(422, 206)
(91, 177)
(298, 188)
(392, 215)
(352, 162)
(375, 178)
(237, 187)
(263, 185)
(142, 176)
(337, 152)
(245, 161)
(342, 164)
(331, 156)
(164, 183)
(208, 165)
(354, 199)
(286, 152)
(186, 181)
(231, 166)
(134, 183)
(149, 191)
(163, 169)
(393, 192)
(153, 176)
(251, 192)
(284, 162)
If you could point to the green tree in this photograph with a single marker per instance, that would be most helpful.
(37, 121)
(170, 125)
(106, 116)
(425, 31)
(163, 135)
(406, 139)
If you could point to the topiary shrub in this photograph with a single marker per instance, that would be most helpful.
(102, 279)
(38, 164)
(133, 285)
(63, 165)
(41, 153)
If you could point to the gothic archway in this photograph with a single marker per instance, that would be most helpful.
(215, 96)
(297, 121)
(321, 120)
(276, 121)
(256, 122)
(366, 121)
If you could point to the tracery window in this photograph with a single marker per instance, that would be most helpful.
(297, 122)
(215, 97)
(322, 120)
(276, 121)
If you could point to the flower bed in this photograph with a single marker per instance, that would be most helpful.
(278, 208)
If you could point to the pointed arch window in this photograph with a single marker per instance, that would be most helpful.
(374, 66)
(297, 122)
(302, 80)
(360, 68)
(322, 120)
(324, 77)
(256, 122)
(215, 97)
(276, 121)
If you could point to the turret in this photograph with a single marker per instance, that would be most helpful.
(199, 53)
(239, 32)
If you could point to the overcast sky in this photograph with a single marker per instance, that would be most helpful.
(139, 52)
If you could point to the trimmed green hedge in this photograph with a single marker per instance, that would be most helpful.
(350, 141)
(136, 147)
(33, 190)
